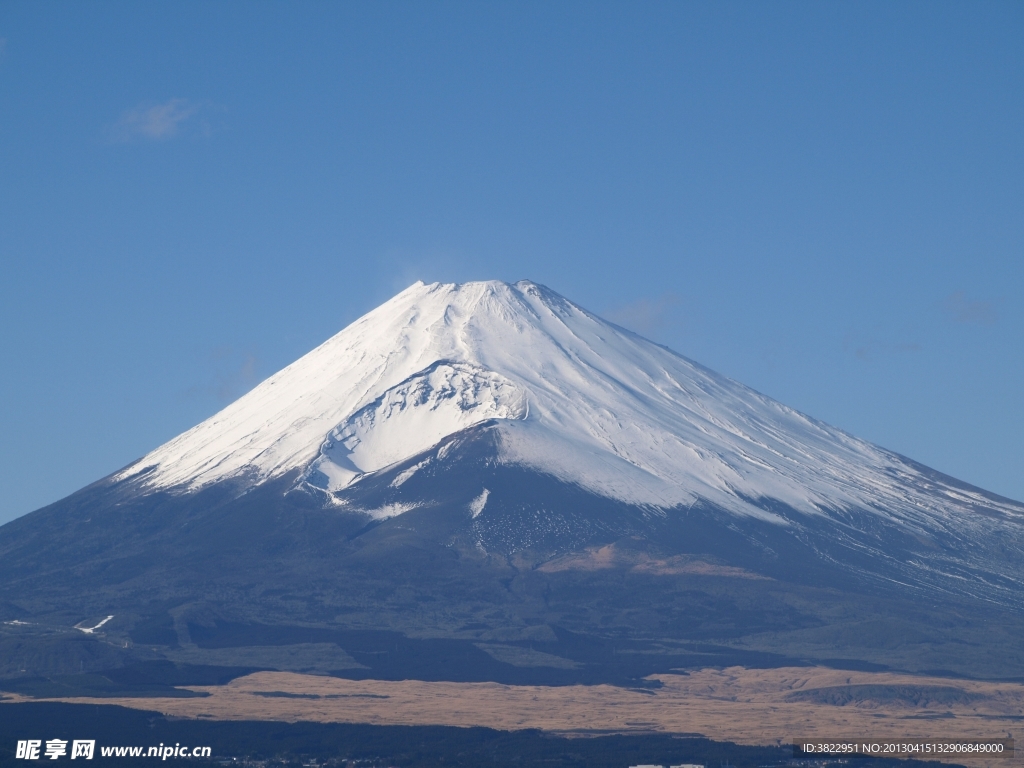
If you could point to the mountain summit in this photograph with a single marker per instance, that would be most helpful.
(488, 471)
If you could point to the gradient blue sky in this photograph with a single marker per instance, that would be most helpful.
(822, 200)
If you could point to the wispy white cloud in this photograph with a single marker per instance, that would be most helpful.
(232, 373)
(870, 347)
(960, 309)
(644, 316)
(154, 121)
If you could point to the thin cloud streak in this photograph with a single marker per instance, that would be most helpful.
(960, 309)
(644, 316)
(154, 121)
(230, 378)
(869, 348)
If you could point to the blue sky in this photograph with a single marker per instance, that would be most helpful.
(822, 200)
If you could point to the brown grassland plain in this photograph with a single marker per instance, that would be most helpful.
(746, 706)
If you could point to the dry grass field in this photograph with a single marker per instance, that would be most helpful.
(746, 706)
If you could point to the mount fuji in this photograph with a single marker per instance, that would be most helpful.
(486, 481)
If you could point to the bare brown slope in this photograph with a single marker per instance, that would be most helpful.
(747, 706)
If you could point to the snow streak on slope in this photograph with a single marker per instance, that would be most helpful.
(576, 397)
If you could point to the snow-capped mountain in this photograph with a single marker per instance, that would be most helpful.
(481, 469)
(573, 396)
